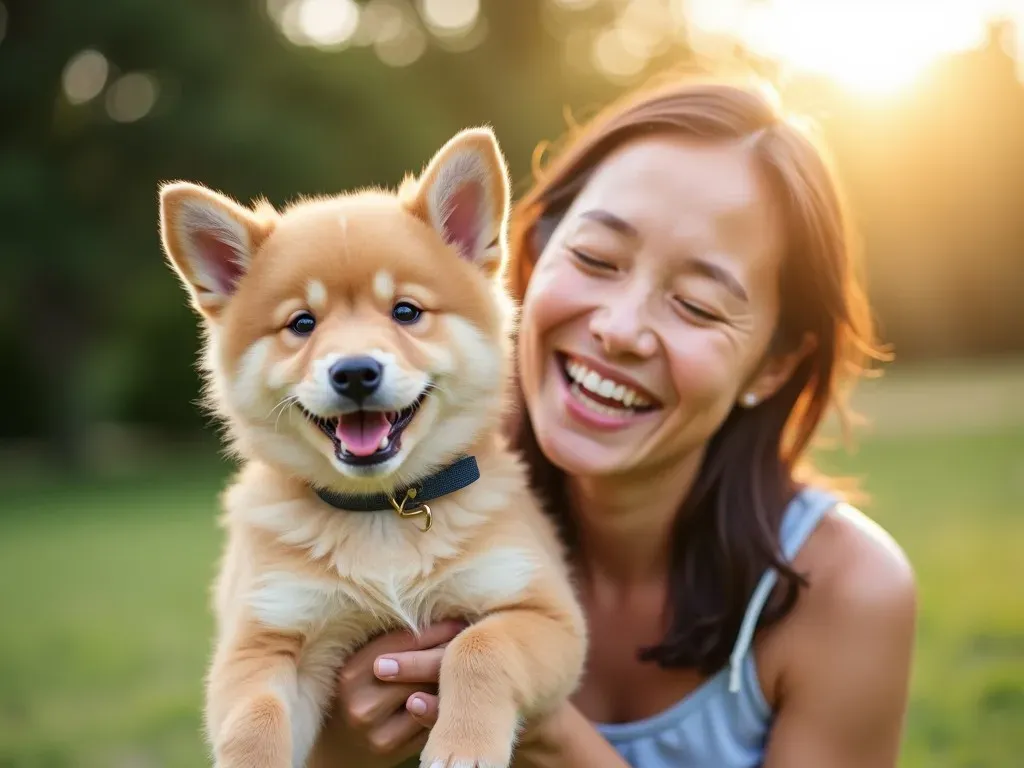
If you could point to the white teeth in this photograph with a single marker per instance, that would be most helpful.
(607, 388)
(383, 443)
(343, 446)
(597, 407)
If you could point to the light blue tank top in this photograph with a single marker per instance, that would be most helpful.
(724, 723)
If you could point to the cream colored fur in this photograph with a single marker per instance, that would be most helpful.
(302, 584)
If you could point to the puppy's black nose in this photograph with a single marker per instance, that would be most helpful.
(356, 377)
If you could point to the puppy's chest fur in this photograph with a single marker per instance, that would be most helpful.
(336, 615)
(397, 594)
(337, 579)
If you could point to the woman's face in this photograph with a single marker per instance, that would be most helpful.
(650, 311)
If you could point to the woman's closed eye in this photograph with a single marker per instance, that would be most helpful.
(591, 262)
(700, 313)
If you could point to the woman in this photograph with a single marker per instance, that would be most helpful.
(689, 310)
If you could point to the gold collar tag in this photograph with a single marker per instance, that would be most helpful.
(416, 511)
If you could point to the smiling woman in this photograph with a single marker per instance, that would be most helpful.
(690, 309)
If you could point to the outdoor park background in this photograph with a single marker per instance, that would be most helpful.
(109, 474)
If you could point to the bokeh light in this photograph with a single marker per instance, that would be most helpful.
(450, 17)
(328, 22)
(613, 57)
(867, 46)
(379, 20)
(645, 28)
(276, 9)
(320, 23)
(466, 40)
(84, 76)
(131, 97)
(402, 43)
(576, 5)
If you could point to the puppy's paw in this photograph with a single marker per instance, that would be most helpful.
(469, 743)
(462, 761)
(256, 735)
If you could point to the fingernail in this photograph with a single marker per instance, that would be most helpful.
(386, 667)
(418, 706)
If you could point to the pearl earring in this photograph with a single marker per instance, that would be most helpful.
(750, 399)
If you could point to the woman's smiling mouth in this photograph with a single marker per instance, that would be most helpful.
(599, 398)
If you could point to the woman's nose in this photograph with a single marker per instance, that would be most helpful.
(620, 325)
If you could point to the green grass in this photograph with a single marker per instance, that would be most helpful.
(106, 629)
(954, 503)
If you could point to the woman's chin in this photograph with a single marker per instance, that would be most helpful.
(580, 456)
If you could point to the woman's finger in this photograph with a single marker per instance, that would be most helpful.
(371, 706)
(358, 668)
(399, 736)
(410, 666)
(423, 708)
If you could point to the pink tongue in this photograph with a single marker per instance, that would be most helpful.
(362, 431)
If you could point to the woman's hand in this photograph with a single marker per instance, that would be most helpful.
(387, 703)
(417, 670)
(386, 699)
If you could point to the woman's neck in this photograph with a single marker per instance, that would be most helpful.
(625, 522)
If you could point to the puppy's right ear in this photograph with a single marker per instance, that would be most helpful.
(210, 241)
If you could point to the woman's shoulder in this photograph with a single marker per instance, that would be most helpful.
(861, 602)
(855, 565)
(837, 670)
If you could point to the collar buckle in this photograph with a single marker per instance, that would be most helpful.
(415, 511)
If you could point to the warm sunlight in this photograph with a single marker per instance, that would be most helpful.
(869, 46)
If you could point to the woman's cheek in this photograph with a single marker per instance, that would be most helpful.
(556, 293)
(701, 371)
(550, 302)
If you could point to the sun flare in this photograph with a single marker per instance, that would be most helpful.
(868, 46)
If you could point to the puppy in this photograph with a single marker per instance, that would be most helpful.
(357, 349)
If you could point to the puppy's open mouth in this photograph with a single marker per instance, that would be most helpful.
(367, 437)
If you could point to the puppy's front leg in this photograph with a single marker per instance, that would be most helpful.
(248, 717)
(510, 666)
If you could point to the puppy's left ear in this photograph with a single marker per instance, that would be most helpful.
(464, 195)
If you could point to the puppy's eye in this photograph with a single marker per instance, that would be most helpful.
(302, 324)
(406, 313)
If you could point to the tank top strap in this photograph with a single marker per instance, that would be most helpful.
(800, 518)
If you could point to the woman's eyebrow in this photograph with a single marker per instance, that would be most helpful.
(720, 275)
(612, 221)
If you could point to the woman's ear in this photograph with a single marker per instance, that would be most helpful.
(775, 372)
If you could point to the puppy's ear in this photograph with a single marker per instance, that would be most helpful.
(210, 241)
(464, 195)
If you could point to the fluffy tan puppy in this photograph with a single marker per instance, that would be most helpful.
(357, 349)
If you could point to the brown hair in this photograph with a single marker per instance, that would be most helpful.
(727, 532)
